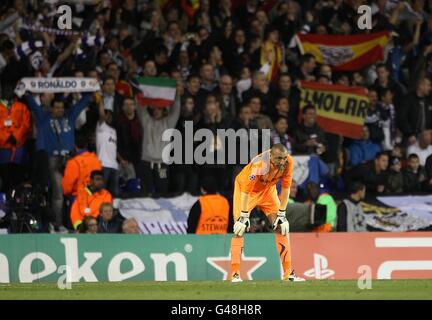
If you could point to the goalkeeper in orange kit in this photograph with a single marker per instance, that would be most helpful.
(255, 186)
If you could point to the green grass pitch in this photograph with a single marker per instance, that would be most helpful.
(223, 290)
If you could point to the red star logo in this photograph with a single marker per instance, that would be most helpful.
(247, 267)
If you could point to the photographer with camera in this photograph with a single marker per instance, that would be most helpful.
(26, 210)
(56, 135)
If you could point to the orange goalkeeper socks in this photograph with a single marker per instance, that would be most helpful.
(236, 251)
(284, 250)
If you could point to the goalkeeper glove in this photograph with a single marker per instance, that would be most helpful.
(242, 224)
(281, 221)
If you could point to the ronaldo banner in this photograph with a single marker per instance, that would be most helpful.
(340, 109)
(345, 52)
(55, 85)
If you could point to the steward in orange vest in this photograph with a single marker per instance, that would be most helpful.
(78, 169)
(211, 213)
(15, 128)
(89, 199)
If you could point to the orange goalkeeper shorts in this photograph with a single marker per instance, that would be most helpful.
(267, 200)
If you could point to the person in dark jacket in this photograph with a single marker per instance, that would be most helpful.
(309, 137)
(213, 120)
(129, 134)
(395, 177)
(374, 117)
(415, 114)
(350, 215)
(414, 174)
(427, 184)
(373, 174)
(108, 222)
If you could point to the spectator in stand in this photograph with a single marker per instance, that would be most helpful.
(414, 175)
(111, 99)
(152, 171)
(263, 121)
(89, 225)
(374, 117)
(184, 175)
(373, 174)
(395, 177)
(225, 96)
(350, 215)
(363, 149)
(244, 83)
(150, 69)
(286, 90)
(283, 109)
(427, 185)
(208, 84)
(129, 136)
(422, 147)
(388, 120)
(306, 68)
(384, 81)
(271, 58)
(309, 137)
(106, 147)
(280, 135)
(130, 226)
(244, 121)
(261, 88)
(415, 114)
(56, 135)
(89, 199)
(325, 70)
(212, 120)
(192, 86)
(108, 221)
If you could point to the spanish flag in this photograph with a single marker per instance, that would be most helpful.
(271, 54)
(340, 109)
(345, 52)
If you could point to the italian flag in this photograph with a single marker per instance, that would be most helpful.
(156, 92)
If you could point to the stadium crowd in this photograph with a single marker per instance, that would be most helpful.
(236, 64)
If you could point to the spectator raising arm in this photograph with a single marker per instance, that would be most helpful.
(35, 107)
(174, 113)
(101, 109)
(80, 106)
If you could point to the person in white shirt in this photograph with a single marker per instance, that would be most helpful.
(422, 147)
(106, 149)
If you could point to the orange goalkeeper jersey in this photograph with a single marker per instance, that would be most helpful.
(260, 174)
